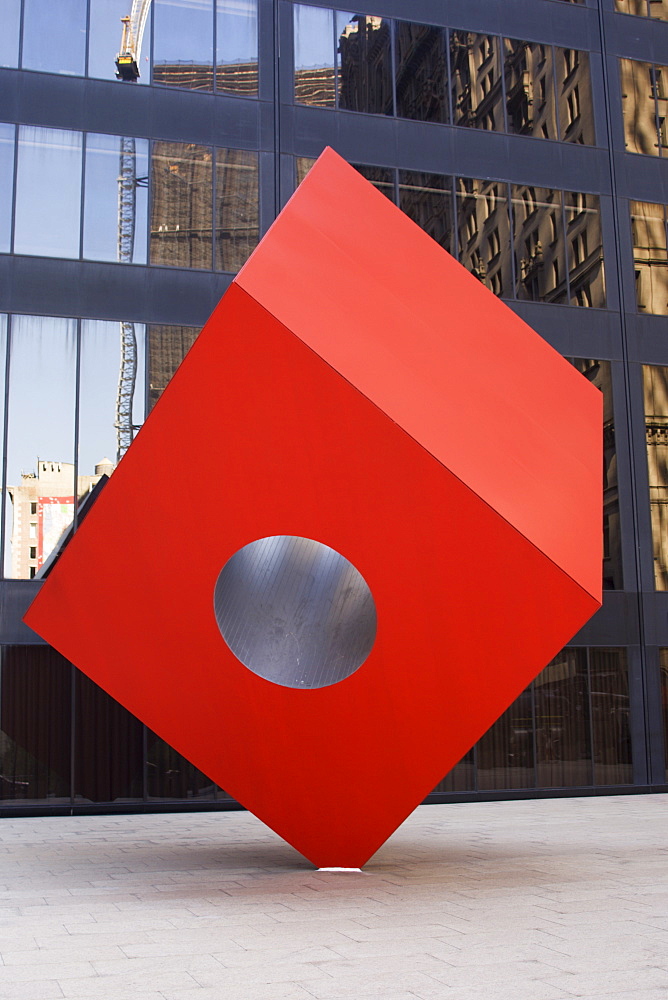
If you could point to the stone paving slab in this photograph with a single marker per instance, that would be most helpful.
(535, 900)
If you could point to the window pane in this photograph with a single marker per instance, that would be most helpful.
(563, 740)
(167, 347)
(381, 178)
(364, 48)
(237, 222)
(664, 702)
(461, 778)
(49, 161)
(116, 198)
(9, 36)
(181, 204)
(171, 776)
(658, 9)
(40, 445)
(6, 184)
(585, 249)
(183, 43)
(655, 381)
(105, 34)
(35, 725)
(530, 103)
(484, 232)
(638, 107)
(540, 262)
(505, 752)
(610, 716)
(54, 36)
(314, 56)
(650, 256)
(111, 392)
(302, 166)
(421, 72)
(576, 112)
(476, 81)
(427, 200)
(108, 747)
(236, 47)
(638, 7)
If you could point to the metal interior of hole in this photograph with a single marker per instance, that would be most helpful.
(295, 611)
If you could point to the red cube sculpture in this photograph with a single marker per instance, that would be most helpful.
(356, 387)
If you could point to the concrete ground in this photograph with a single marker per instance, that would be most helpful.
(534, 900)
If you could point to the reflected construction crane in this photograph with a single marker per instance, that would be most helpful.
(127, 69)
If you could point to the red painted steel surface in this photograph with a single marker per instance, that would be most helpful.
(424, 433)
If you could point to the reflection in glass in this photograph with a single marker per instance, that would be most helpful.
(576, 110)
(106, 373)
(35, 725)
(484, 232)
(639, 108)
(183, 43)
(381, 178)
(538, 230)
(529, 79)
(364, 52)
(54, 36)
(9, 36)
(427, 200)
(236, 209)
(655, 383)
(108, 746)
(6, 184)
(477, 99)
(563, 741)
(302, 166)
(181, 204)
(585, 249)
(104, 39)
(49, 161)
(314, 56)
(611, 735)
(506, 751)
(421, 72)
(40, 441)
(599, 374)
(461, 778)
(650, 256)
(236, 47)
(171, 776)
(116, 198)
(663, 653)
(657, 9)
(167, 347)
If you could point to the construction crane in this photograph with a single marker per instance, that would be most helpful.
(127, 69)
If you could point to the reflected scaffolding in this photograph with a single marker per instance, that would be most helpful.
(183, 43)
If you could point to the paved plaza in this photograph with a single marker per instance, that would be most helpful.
(531, 900)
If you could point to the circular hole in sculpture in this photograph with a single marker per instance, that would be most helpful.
(295, 611)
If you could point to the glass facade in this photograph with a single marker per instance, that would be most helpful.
(526, 147)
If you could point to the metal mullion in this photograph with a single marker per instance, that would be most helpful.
(86, 51)
(448, 71)
(502, 70)
(591, 718)
(73, 729)
(151, 34)
(564, 225)
(555, 91)
(5, 439)
(214, 206)
(455, 217)
(511, 235)
(655, 97)
(77, 399)
(393, 69)
(336, 59)
(534, 737)
(14, 186)
(214, 59)
(21, 18)
(82, 193)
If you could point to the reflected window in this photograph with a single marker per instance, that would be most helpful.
(236, 47)
(183, 43)
(364, 63)
(611, 734)
(477, 98)
(538, 234)
(563, 737)
(49, 160)
(576, 111)
(314, 56)
(105, 36)
(236, 208)
(54, 36)
(40, 439)
(643, 104)
(111, 393)
(181, 204)
(9, 36)
(483, 228)
(657, 9)
(116, 198)
(663, 653)
(427, 200)
(655, 383)
(167, 347)
(584, 247)
(505, 753)
(381, 178)
(421, 72)
(6, 184)
(529, 79)
(649, 224)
